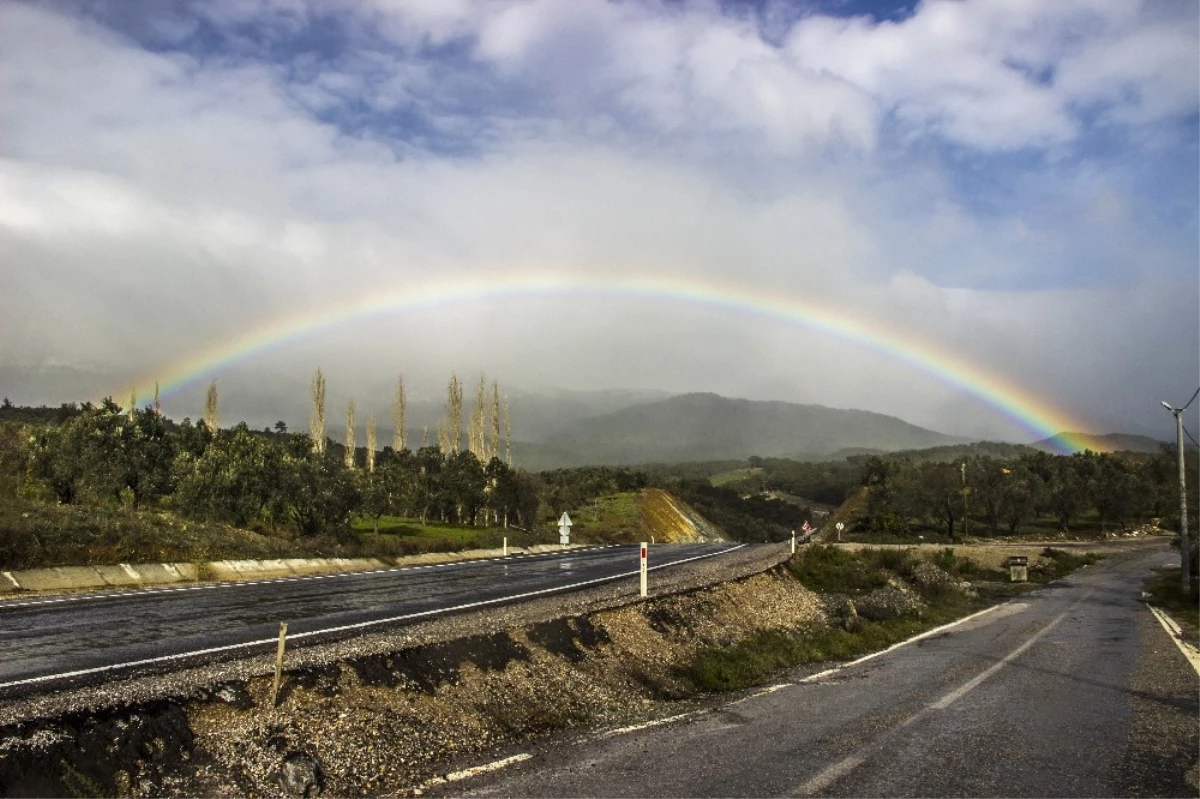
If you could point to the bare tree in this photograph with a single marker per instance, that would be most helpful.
(350, 435)
(157, 404)
(132, 401)
(316, 423)
(399, 411)
(371, 422)
(211, 418)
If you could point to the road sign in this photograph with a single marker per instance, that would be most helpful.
(642, 570)
(840, 527)
(564, 529)
(806, 527)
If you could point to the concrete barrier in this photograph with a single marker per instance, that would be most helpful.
(133, 575)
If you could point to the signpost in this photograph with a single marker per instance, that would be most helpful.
(564, 529)
(643, 568)
(840, 526)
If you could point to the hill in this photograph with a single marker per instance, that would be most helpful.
(1111, 442)
(696, 427)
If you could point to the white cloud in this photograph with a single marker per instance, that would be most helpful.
(152, 203)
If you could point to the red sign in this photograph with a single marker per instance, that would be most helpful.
(806, 527)
(643, 553)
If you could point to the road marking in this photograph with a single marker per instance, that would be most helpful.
(357, 626)
(831, 775)
(474, 771)
(647, 725)
(964, 689)
(1176, 634)
(844, 766)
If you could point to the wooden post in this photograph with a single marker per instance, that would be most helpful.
(279, 662)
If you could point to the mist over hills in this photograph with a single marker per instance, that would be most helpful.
(554, 428)
(697, 427)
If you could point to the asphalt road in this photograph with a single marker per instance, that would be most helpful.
(47, 641)
(1073, 690)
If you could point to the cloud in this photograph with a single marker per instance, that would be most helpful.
(949, 177)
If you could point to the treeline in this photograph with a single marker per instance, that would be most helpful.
(1003, 495)
(258, 479)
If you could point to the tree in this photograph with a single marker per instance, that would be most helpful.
(939, 493)
(1067, 489)
(493, 450)
(316, 422)
(350, 453)
(321, 493)
(371, 442)
(233, 481)
(1118, 490)
(399, 411)
(211, 418)
(281, 427)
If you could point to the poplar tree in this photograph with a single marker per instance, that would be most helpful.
(494, 449)
(350, 435)
(476, 438)
(211, 418)
(132, 402)
(507, 432)
(454, 405)
(316, 422)
(371, 443)
(399, 411)
(157, 405)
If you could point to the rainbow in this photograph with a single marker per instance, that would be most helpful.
(1026, 409)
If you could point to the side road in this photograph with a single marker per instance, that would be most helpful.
(1071, 690)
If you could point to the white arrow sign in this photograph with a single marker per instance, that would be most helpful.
(564, 529)
(565, 521)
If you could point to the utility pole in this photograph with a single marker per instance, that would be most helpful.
(1184, 545)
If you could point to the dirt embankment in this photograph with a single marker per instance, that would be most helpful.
(668, 519)
(380, 715)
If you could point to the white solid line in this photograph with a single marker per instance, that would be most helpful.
(647, 725)
(345, 627)
(1176, 634)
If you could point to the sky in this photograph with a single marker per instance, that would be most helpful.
(1012, 183)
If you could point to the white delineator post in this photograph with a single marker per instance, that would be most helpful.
(506, 546)
(643, 568)
(793, 542)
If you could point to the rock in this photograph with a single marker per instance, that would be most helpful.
(889, 603)
(300, 775)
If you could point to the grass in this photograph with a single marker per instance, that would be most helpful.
(35, 535)
(838, 571)
(1166, 592)
(1060, 563)
(610, 519)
